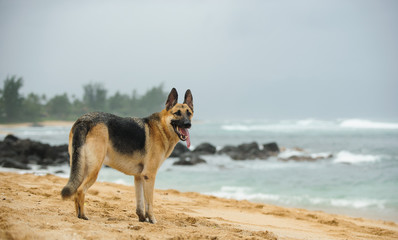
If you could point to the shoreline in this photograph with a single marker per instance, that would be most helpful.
(330, 205)
(52, 123)
(5, 128)
(31, 207)
(60, 172)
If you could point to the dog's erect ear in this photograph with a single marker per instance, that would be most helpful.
(188, 99)
(172, 99)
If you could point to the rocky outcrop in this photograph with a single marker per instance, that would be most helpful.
(19, 153)
(245, 151)
(188, 157)
(250, 151)
(205, 149)
(271, 148)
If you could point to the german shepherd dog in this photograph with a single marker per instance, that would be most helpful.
(134, 146)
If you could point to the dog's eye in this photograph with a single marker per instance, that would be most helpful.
(189, 113)
(178, 113)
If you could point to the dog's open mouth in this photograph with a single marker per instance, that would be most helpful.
(183, 134)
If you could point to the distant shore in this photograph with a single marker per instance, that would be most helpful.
(5, 126)
(43, 123)
(31, 208)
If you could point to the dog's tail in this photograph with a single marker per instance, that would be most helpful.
(79, 130)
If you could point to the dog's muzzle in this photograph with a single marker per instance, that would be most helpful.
(181, 129)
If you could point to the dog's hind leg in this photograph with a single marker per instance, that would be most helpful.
(148, 177)
(94, 156)
(81, 192)
(79, 204)
(139, 195)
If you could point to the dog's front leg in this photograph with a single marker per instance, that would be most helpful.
(139, 196)
(149, 185)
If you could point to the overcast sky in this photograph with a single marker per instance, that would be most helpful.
(241, 59)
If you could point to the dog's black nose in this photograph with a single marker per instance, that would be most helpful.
(187, 124)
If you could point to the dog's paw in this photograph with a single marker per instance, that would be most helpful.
(153, 220)
(141, 216)
(83, 217)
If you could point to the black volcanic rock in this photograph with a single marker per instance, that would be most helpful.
(18, 153)
(12, 163)
(250, 151)
(205, 149)
(272, 148)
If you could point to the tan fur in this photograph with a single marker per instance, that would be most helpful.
(98, 150)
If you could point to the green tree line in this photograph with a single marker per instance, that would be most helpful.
(14, 107)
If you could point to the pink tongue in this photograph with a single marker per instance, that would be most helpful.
(186, 133)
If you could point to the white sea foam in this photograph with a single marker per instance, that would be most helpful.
(366, 124)
(291, 152)
(246, 193)
(285, 125)
(308, 124)
(358, 203)
(351, 158)
(247, 128)
(243, 193)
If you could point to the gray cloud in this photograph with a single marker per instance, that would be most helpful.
(241, 59)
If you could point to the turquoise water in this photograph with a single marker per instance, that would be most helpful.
(361, 179)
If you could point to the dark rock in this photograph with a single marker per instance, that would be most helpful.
(248, 147)
(245, 151)
(237, 155)
(228, 149)
(189, 159)
(26, 151)
(271, 148)
(33, 159)
(48, 162)
(37, 148)
(179, 149)
(59, 161)
(55, 151)
(8, 152)
(10, 138)
(11, 163)
(205, 149)
(59, 172)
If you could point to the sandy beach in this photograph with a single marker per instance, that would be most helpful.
(31, 208)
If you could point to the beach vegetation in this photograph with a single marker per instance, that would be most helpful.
(15, 107)
(11, 99)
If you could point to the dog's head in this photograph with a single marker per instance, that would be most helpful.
(180, 114)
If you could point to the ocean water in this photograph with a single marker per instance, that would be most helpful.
(360, 180)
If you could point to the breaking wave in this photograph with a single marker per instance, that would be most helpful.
(366, 124)
(308, 124)
(351, 158)
(246, 193)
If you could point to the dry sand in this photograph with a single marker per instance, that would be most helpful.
(31, 208)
